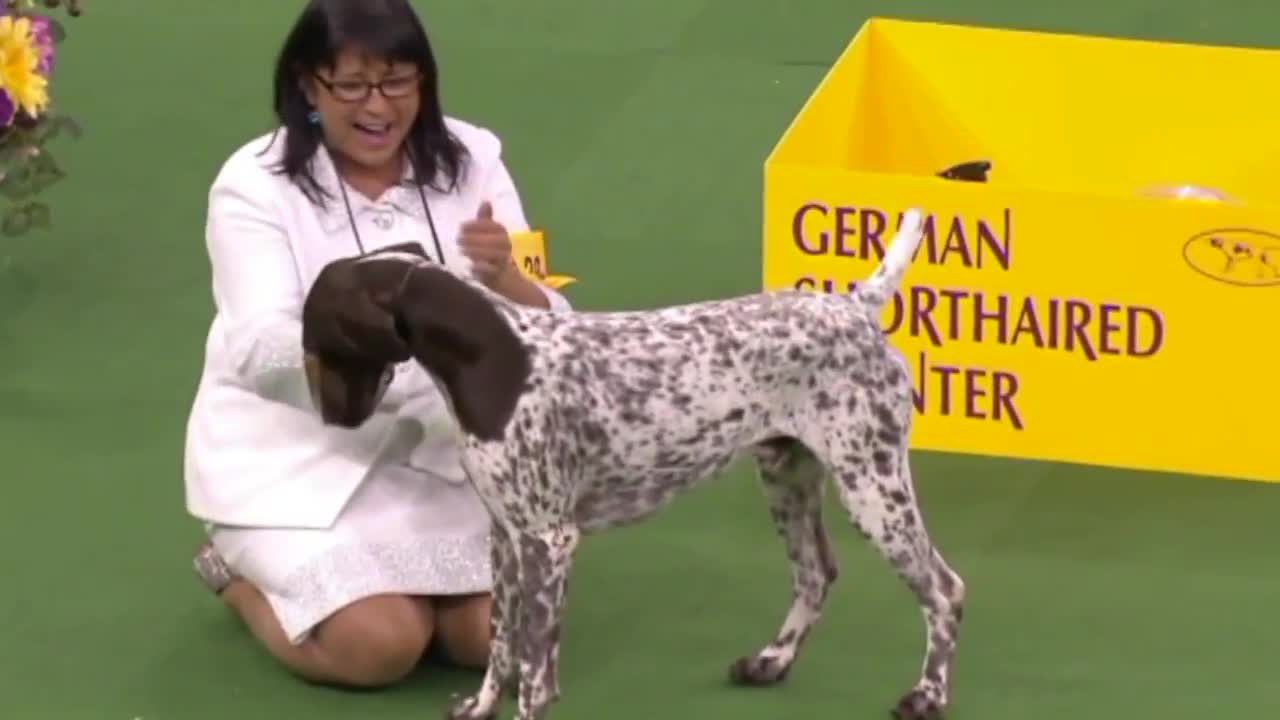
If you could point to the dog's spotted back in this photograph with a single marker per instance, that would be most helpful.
(634, 407)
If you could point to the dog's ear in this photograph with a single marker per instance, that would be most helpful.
(348, 312)
(349, 336)
(462, 338)
(344, 392)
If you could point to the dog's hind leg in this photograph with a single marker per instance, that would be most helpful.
(793, 482)
(503, 620)
(881, 500)
(545, 559)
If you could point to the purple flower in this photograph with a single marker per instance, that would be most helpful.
(7, 109)
(43, 43)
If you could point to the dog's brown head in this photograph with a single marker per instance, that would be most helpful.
(349, 337)
(365, 314)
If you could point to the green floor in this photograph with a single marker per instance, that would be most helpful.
(637, 131)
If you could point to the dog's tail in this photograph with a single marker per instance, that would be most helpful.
(876, 290)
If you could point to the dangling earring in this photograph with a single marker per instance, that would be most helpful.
(313, 117)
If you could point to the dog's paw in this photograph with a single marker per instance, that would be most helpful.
(758, 671)
(468, 708)
(917, 705)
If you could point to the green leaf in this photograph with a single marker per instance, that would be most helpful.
(57, 31)
(31, 175)
(23, 218)
(51, 125)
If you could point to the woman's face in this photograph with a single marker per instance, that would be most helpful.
(364, 125)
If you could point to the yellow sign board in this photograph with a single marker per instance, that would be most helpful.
(1059, 309)
(530, 251)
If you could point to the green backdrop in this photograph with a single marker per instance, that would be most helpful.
(637, 132)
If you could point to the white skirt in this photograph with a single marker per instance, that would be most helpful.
(404, 532)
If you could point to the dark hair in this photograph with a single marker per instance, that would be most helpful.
(385, 28)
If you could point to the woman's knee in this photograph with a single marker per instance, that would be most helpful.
(377, 641)
(462, 628)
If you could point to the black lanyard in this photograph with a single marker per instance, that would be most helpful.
(422, 195)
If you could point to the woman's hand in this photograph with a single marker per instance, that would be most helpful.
(487, 244)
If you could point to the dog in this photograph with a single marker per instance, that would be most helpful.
(573, 423)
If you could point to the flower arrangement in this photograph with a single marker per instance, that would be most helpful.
(28, 120)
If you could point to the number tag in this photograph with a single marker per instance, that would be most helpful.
(530, 251)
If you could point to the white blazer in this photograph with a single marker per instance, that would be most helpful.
(256, 452)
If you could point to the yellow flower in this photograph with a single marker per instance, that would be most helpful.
(18, 60)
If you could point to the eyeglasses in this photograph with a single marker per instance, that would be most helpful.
(357, 90)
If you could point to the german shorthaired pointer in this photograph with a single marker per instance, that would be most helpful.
(572, 423)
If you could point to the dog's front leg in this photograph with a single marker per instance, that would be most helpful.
(545, 559)
(503, 621)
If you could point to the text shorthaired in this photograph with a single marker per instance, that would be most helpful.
(951, 315)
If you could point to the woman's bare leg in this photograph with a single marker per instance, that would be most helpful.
(373, 642)
(462, 628)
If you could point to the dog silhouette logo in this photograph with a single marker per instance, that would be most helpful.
(1236, 256)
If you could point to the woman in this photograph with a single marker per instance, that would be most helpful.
(346, 553)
